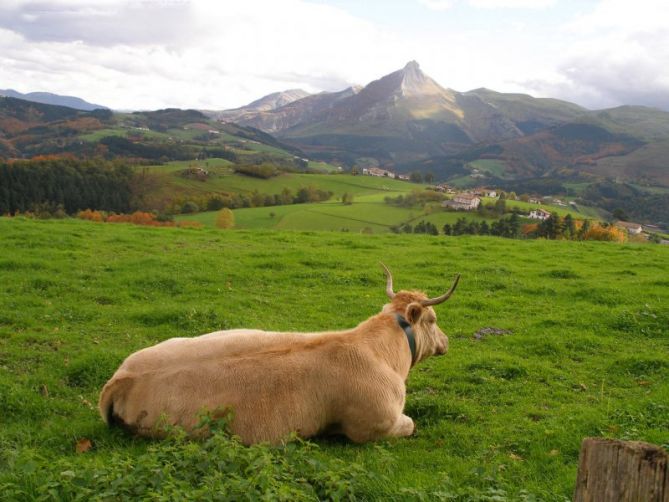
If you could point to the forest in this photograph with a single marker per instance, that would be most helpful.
(64, 184)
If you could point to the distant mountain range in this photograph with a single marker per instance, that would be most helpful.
(408, 121)
(29, 129)
(48, 98)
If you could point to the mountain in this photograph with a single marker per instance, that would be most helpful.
(264, 104)
(48, 98)
(407, 121)
(284, 117)
(404, 116)
(29, 129)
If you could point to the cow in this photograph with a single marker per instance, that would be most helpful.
(349, 382)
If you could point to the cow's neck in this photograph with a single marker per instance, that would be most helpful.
(410, 335)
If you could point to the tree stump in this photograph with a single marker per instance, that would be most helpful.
(617, 471)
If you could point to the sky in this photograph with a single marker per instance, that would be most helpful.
(219, 54)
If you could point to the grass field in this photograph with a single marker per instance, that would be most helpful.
(367, 214)
(496, 168)
(168, 184)
(581, 212)
(501, 417)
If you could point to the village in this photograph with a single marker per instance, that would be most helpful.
(471, 200)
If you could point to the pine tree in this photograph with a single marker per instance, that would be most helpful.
(568, 227)
(583, 231)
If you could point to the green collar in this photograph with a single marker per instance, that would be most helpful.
(411, 338)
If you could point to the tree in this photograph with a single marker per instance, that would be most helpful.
(190, 207)
(460, 226)
(429, 177)
(500, 205)
(419, 228)
(551, 227)
(215, 203)
(225, 218)
(513, 229)
(287, 196)
(484, 228)
(416, 177)
(583, 231)
(473, 228)
(347, 199)
(619, 214)
(568, 227)
(448, 230)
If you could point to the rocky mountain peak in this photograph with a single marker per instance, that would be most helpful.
(415, 83)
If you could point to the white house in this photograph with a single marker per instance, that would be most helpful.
(539, 214)
(466, 201)
(376, 171)
(632, 228)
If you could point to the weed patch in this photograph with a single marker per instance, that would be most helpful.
(217, 468)
(562, 274)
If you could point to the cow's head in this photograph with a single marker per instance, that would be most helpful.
(417, 309)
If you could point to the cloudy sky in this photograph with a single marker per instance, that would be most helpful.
(149, 54)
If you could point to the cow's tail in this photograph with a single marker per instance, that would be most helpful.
(113, 391)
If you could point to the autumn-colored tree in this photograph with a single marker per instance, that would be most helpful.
(529, 229)
(225, 218)
(600, 233)
(88, 214)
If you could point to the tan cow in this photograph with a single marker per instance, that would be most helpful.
(350, 382)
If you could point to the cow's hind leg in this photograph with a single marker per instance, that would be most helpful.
(403, 427)
(360, 432)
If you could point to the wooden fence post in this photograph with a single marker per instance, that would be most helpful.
(610, 470)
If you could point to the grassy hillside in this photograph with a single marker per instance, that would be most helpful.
(501, 417)
(366, 213)
(165, 183)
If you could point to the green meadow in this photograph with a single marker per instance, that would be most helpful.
(167, 181)
(500, 418)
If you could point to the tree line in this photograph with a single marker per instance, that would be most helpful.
(254, 199)
(69, 184)
(512, 227)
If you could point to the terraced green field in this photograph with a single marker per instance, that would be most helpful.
(500, 418)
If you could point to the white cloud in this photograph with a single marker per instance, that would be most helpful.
(212, 54)
(191, 54)
(512, 4)
(436, 4)
(617, 54)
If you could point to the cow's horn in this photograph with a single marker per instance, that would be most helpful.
(442, 298)
(389, 283)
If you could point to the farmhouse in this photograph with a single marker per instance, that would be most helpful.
(539, 214)
(632, 228)
(377, 171)
(466, 201)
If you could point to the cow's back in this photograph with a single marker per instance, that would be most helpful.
(274, 383)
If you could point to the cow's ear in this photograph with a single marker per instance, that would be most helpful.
(414, 312)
